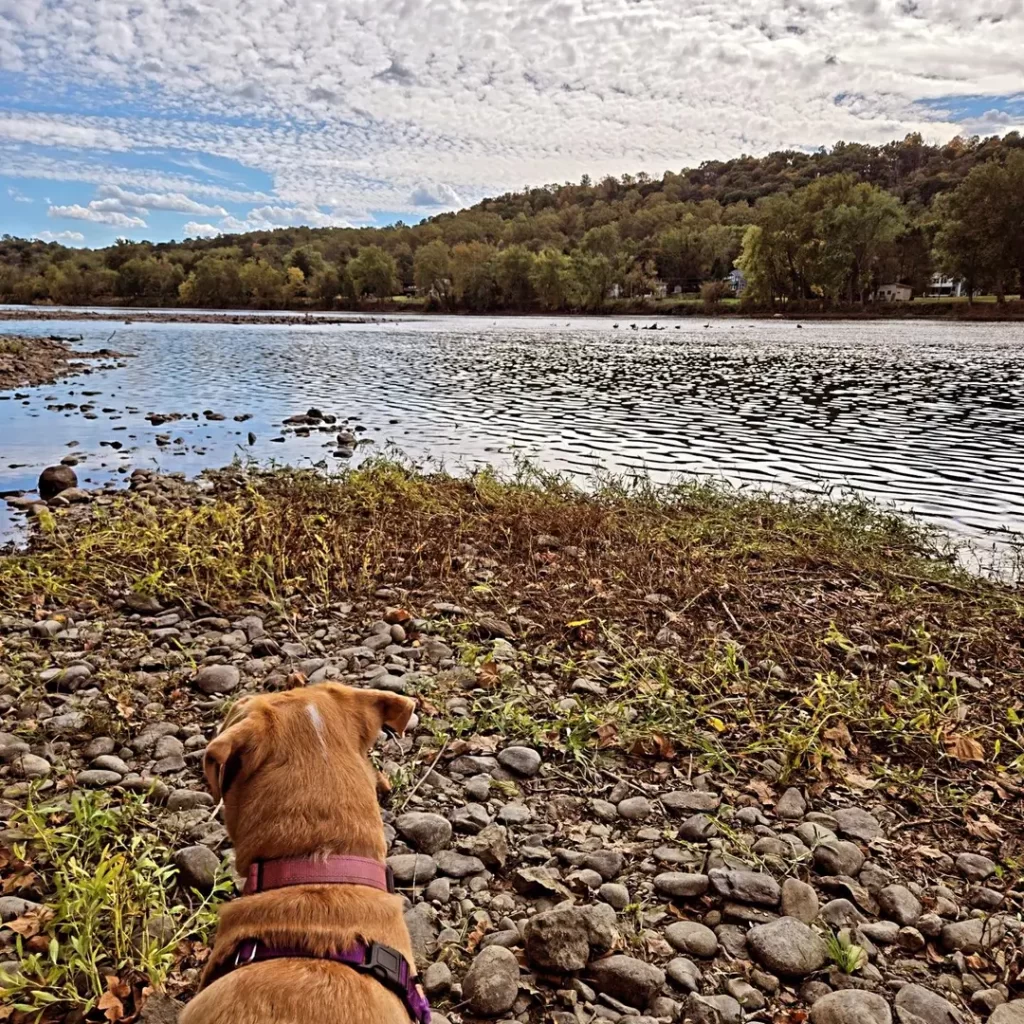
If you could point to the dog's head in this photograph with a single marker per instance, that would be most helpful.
(294, 774)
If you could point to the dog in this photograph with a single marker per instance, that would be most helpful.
(318, 938)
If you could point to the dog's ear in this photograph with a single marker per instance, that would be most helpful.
(223, 760)
(383, 710)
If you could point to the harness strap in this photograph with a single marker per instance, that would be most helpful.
(381, 962)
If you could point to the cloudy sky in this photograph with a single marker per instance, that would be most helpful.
(169, 118)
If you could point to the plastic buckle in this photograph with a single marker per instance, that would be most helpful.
(385, 964)
(389, 876)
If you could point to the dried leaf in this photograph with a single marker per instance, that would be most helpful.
(964, 748)
(858, 782)
(984, 827)
(112, 1007)
(840, 735)
(607, 735)
(31, 924)
(654, 745)
(295, 681)
(488, 674)
(762, 790)
(475, 937)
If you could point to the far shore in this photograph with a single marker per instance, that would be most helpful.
(982, 311)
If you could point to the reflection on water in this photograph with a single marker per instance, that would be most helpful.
(926, 415)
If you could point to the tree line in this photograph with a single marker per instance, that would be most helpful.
(830, 227)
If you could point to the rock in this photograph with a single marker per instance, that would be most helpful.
(857, 824)
(799, 900)
(12, 907)
(11, 746)
(561, 939)
(188, 800)
(788, 947)
(197, 867)
(693, 938)
(537, 883)
(624, 977)
(412, 868)
(687, 801)
(458, 865)
(214, 679)
(791, 806)
(522, 760)
(684, 973)
(514, 814)
(144, 604)
(745, 994)
(885, 933)
(32, 767)
(635, 808)
(98, 778)
(975, 867)
(607, 863)
(675, 883)
(490, 844)
(698, 829)
(838, 857)
(110, 763)
(55, 479)
(1008, 1013)
(841, 913)
(699, 1009)
(973, 935)
(160, 1009)
(899, 904)
(915, 1003)
(851, 1006)
(422, 931)
(614, 895)
(437, 979)
(746, 887)
(428, 833)
(728, 1009)
(492, 982)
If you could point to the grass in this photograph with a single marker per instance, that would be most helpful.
(844, 953)
(719, 624)
(115, 927)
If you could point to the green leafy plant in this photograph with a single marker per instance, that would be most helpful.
(844, 953)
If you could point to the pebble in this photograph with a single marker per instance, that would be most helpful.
(98, 778)
(491, 984)
(31, 766)
(851, 1006)
(1008, 1013)
(925, 1005)
(412, 868)
(675, 883)
(524, 761)
(975, 867)
(791, 805)
(197, 867)
(614, 895)
(635, 808)
(429, 833)
(899, 904)
(788, 947)
(693, 938)
(799, 900)
(216, 679)
(747, 887)
(690, 800)
(633, 981)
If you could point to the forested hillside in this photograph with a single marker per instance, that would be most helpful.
(829, 226)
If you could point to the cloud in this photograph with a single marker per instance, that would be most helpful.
(96, 213)
(352, 112)
(436, 195)
(116, 198)
(19, 197)
(64, 237)
(194, 230)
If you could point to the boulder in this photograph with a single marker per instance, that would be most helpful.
(492, 982)
(915, 1003)
(55, 479)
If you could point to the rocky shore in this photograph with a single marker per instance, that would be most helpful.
(171, 316)
(26, 362)
(617, 802)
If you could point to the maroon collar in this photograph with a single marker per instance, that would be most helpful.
(336, 870)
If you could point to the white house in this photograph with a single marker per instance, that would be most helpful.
(894, 293)
(738, 280)
(942, 286)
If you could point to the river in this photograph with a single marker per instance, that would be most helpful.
(925, 416)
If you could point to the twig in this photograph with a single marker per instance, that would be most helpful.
(412, 792)
(732, 618)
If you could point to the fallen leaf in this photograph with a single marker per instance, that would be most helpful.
(30, 924)
(488, 674)
(294, 682)
(984, 827)
(112, 1007)
(654, 745)
(763, 791)
(607, 735)
(858, 782)
(964, 748)
(839, 734)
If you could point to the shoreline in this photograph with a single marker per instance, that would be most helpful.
(982, 312)
(31, 362)
(753, 718)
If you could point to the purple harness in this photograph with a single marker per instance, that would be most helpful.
(387, 965)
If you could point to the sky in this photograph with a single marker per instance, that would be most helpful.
(165, 119)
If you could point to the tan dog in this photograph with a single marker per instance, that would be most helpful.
(293, 772)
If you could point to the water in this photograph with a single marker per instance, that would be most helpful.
(925, 416)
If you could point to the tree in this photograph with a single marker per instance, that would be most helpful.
(373, 272)
(215, 281)
(552, 279)
(262, 285)
(513, 270)
(432, 273)
(473, 282)
(592, 278)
